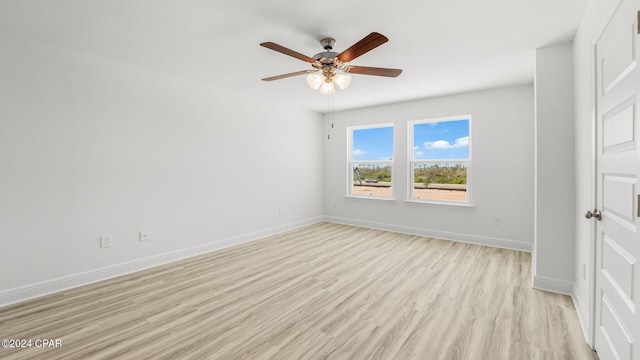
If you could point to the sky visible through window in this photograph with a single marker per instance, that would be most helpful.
(436, 140)
(441, 140)
(373, 144)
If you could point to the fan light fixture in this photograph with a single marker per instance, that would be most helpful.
(327, 83)
(342, 81)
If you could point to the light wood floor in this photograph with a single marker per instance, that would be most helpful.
(325, 291)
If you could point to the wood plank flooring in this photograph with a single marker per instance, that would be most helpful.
(325, 291)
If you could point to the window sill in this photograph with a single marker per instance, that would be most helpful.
(426, 202)
(370, 197)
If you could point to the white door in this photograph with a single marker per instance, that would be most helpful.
(617, 318)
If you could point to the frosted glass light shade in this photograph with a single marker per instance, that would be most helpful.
(342, 81)
(327, 88)
(315, 80)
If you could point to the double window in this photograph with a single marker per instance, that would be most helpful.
(439, 160)
(371, 161)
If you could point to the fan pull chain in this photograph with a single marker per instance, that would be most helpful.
(329, 116)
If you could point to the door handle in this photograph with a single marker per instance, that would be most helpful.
(595, 214)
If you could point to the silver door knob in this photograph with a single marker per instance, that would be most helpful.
(595, 214)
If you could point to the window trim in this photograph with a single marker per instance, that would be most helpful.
(411, 161)
(350, 160)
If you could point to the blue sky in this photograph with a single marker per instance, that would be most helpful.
(441, 140)
(373, 144)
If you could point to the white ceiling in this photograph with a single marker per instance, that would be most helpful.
(443, 46)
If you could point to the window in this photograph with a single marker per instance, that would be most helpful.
(440, 160)
(370, 160)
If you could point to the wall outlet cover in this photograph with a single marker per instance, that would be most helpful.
(106, 241)
(145, 235)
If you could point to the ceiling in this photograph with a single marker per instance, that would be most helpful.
(443, 46)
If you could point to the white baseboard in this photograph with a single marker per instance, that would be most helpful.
(46, 287)
(444, 235)
(552, 285)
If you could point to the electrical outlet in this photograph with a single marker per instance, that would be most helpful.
(584, 272)
(497, 220)
(145, 235)
(106, 241)
(280, 210)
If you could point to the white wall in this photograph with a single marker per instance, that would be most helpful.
(554, 173)
(502, 171)
(89, 147)
(593, 21)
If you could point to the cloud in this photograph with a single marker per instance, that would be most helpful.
(444, 144)
(461, 142)
(358, 152)
(439, 144)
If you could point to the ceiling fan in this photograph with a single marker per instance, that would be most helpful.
(330, 69)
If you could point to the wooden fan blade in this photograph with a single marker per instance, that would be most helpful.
(366, 70)
(363, 46)
(286, 51)
(289, 75)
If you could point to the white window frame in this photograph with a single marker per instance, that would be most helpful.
(351, 162)
(412, 162)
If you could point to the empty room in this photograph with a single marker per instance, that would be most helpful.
(319, 180)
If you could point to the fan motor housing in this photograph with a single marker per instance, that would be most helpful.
(326, 57)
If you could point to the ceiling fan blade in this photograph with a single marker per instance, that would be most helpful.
(278, 77)
(363, 46)
(366, 70)
(286, 51)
